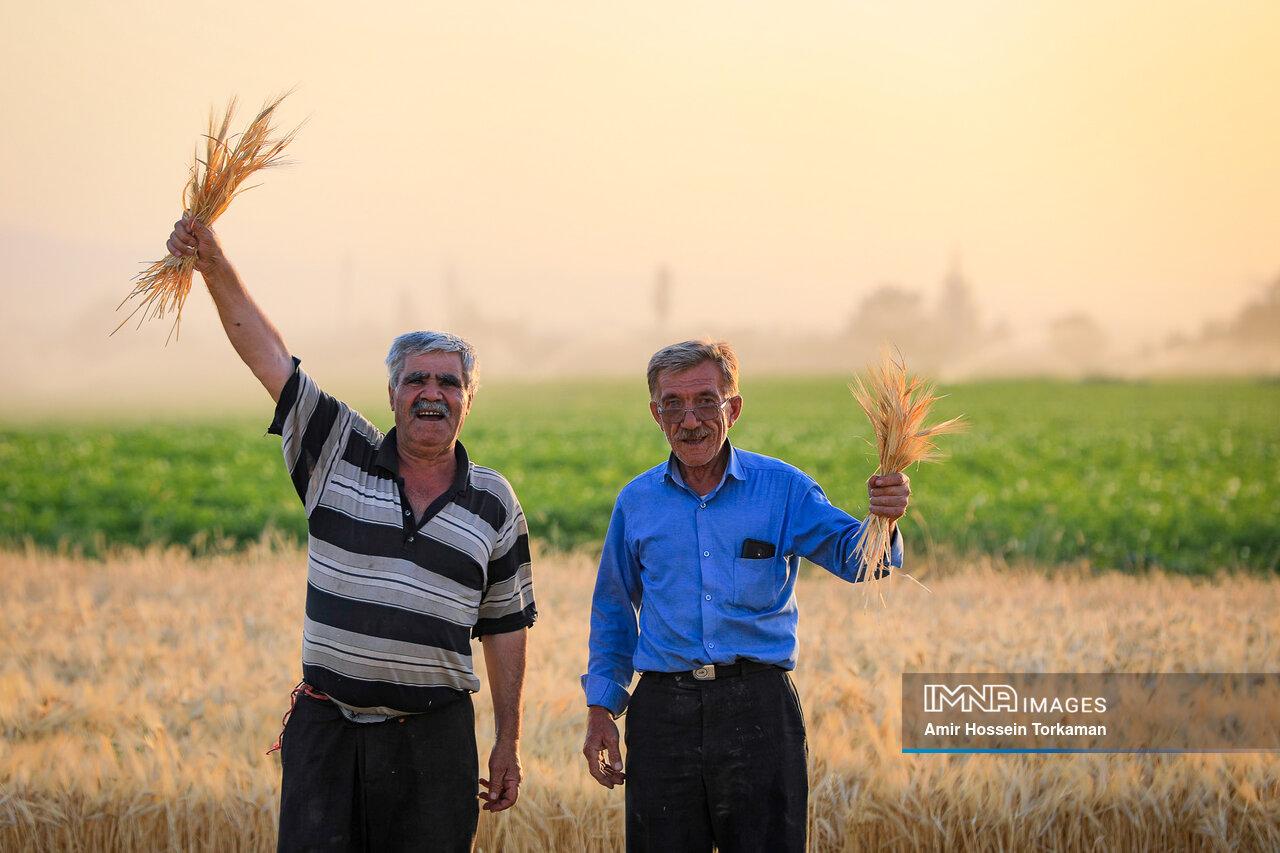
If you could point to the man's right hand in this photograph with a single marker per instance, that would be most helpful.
(604, 758)
(192, 237)
(255, 339)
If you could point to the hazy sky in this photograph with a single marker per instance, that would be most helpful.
(781, 159)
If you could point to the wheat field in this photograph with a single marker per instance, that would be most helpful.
(139, 694)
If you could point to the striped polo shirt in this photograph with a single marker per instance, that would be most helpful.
(393, 602)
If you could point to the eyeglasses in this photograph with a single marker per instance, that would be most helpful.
(703, 412)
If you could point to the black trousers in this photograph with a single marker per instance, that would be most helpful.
(720, 763)
(393, 786)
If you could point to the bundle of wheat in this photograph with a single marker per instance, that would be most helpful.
(897, 406)
(214, 182)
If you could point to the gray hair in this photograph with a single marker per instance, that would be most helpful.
(690, 354)
(418, 343)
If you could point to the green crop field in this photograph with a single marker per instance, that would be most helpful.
(1184, 476)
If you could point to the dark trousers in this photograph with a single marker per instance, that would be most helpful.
(379, 786)
(719, 762)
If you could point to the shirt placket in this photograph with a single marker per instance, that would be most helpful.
(715, 577)
(408, 524)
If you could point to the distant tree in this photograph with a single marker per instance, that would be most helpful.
(931, 336)
(892, 314)
(1079, 340)
(957, 327)
(1259, 322)
(662, 295)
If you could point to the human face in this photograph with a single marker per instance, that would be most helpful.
(429, 402)
(696, 444)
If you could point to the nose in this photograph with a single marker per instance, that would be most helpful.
(690, 416)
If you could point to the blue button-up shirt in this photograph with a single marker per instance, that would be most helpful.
(687, 580)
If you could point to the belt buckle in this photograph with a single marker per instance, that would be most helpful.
(705, 673)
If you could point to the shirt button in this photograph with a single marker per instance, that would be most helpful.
(708, 598)
(704, 506)
(706, 553)
(410, 538)
(407, 513)
(711, 645)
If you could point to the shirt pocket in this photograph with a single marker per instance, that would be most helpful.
(757, 583)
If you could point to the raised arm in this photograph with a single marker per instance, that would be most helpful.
(254, 338)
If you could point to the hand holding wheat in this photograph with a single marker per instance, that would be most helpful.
(897, 406)
(192, 238)
(215, 181)
(888, 495)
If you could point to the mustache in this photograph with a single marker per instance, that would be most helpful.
(427, 407)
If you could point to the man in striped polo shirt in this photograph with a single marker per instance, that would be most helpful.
(413, 550)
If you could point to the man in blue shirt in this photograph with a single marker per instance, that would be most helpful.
(696, 592)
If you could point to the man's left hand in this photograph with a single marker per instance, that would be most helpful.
(889, 494)
(504, 779)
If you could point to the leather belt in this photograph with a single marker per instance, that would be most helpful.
(714, 672)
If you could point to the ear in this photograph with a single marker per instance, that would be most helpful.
(653, 410)
(735, 409)
(391, 396)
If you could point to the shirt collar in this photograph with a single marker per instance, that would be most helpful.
(733, 469)
(388, 459)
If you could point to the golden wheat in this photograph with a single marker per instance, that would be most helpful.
(897, 406)
(138, 697)
(214, 183)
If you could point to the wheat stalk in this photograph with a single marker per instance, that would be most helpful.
(897, 406)
(215, 181)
